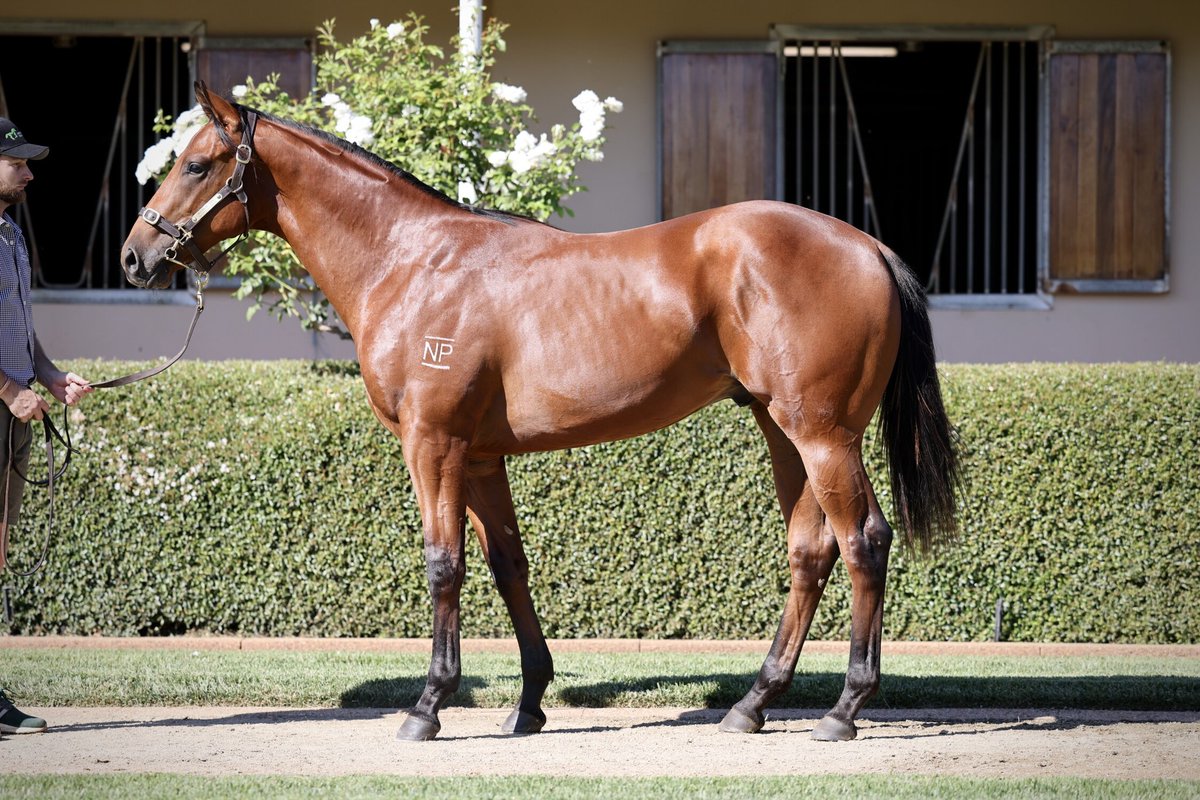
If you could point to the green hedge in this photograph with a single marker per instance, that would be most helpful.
(264, 498)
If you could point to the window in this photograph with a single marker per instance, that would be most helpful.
(85, 197)
(1001, 164)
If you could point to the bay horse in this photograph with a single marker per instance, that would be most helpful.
(482, 335)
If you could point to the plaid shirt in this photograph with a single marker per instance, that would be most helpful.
(16, 307)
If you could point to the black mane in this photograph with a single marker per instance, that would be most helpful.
(366, 155)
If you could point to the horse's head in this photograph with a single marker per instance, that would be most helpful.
(197, 205)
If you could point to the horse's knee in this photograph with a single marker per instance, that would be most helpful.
(445, 570)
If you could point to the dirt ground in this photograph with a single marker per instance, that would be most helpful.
(605, 742)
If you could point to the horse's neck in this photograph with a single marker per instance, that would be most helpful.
(344, 217)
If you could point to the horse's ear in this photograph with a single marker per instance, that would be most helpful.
(218, 109)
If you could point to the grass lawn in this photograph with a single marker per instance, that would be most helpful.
(54, 676)
(147, 787)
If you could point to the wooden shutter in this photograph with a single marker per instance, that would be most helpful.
(718, 113)
(1109, 106)
(225, 63)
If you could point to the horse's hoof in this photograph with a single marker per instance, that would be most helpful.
(737, 722)
(418, 729)
(834, 730)
(522, 722)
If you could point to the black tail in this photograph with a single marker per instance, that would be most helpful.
(922, 456)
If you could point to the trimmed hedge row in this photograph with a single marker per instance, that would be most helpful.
(264, 498)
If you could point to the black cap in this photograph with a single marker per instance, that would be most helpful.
(13, 144)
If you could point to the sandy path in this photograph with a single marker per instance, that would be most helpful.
(607, 742)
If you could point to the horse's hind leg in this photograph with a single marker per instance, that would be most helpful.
(490, 507)
(812, 552)
(864, 538)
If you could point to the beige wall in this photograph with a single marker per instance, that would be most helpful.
(556, 49)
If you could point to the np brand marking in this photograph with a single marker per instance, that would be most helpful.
(436, 352)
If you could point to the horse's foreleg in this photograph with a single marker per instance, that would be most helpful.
(438, 467)
(490, 507)
(812, 552)
(864, 539)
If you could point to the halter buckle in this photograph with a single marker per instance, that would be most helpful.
(151, 216)
(243, 153)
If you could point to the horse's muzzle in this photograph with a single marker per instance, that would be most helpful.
(137, 273)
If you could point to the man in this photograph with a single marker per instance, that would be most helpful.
(21, 362)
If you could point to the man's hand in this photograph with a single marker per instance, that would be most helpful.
(25, 404)
(67, 387)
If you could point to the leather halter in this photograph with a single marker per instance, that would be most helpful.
(234, 187)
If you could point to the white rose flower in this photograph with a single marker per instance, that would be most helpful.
(154, 159)
(497, 158)
(184, 137)
(395, 29)
(521, 162)
(544, 148)
(194, 115)
(359, 130)
(330, 99)
(614, 105)
(591, 124)
(524, 142)
(374, 23)
(239, 90)
(508, 93)
(585, 100)
(466, 192)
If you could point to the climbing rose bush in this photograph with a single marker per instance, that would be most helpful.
(439, 116)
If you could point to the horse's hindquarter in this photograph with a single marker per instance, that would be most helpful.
(808, 313)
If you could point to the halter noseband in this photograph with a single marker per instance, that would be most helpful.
(234, 187)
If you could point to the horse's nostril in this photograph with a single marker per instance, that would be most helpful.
(131, 260)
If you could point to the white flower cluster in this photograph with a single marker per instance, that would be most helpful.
(162, 152)
(591, 113)
(393, 30)
(528, 152)
(355, 128)
(509, 94)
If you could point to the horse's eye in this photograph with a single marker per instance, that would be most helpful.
(196, 168)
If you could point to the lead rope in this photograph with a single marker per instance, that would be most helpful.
(51, 476)
(52, 433)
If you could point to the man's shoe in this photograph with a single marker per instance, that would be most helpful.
(13, 720)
